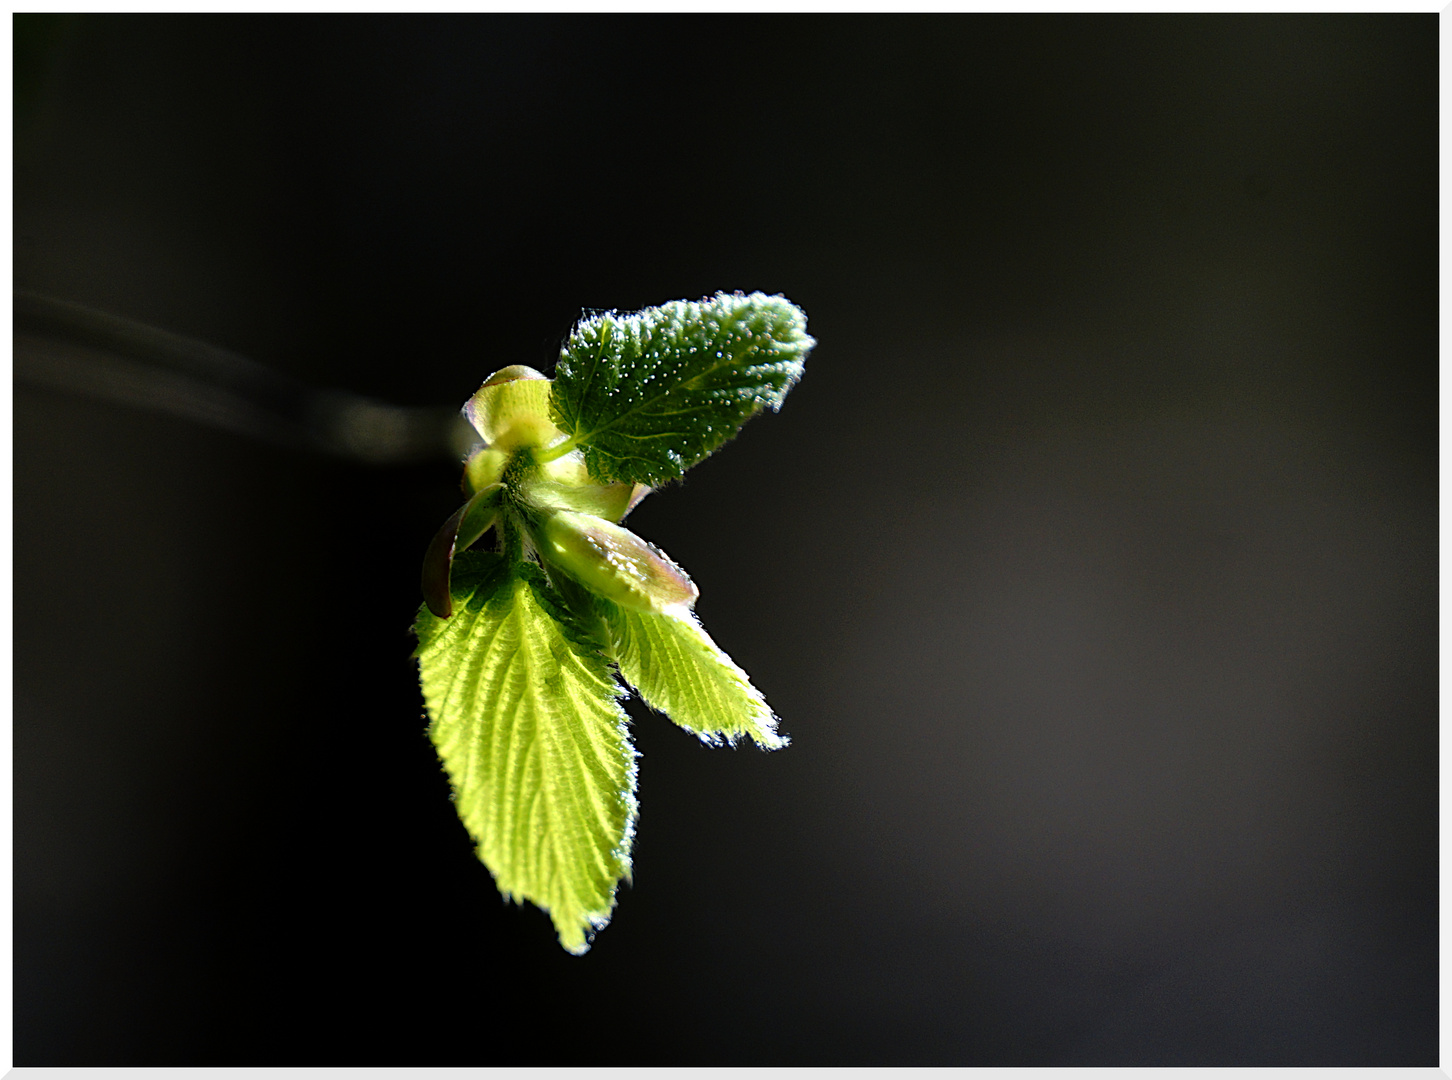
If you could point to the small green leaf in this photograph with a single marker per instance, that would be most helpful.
(526, 719)
(649, 395)
(678, 670)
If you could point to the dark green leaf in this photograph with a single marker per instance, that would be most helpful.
(648, 395)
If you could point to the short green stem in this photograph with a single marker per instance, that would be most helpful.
(558, 450)
(511, 541)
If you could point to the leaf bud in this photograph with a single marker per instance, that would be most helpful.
(614, 563)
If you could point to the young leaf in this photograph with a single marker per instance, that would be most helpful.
(526, 719)
(649, 395)
(678, 670)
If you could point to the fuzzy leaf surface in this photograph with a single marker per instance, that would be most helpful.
(648, 395)
(526, 719)
(678, 670)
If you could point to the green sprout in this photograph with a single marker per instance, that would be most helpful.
(522, 649)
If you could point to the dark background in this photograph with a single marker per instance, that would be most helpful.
(1092, 566)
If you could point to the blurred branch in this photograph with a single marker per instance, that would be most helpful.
(65, 346)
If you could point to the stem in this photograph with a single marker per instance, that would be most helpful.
(558, 450)
(75, 349)
(511, 542)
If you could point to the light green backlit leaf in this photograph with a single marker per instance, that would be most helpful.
(648, 395)
(525, 716)
(676, 667)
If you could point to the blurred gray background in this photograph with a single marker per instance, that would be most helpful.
(1091, 567)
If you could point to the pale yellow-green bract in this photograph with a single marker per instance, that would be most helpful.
(531, 732)
(678, 670)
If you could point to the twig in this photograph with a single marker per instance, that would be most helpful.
(66, 346)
